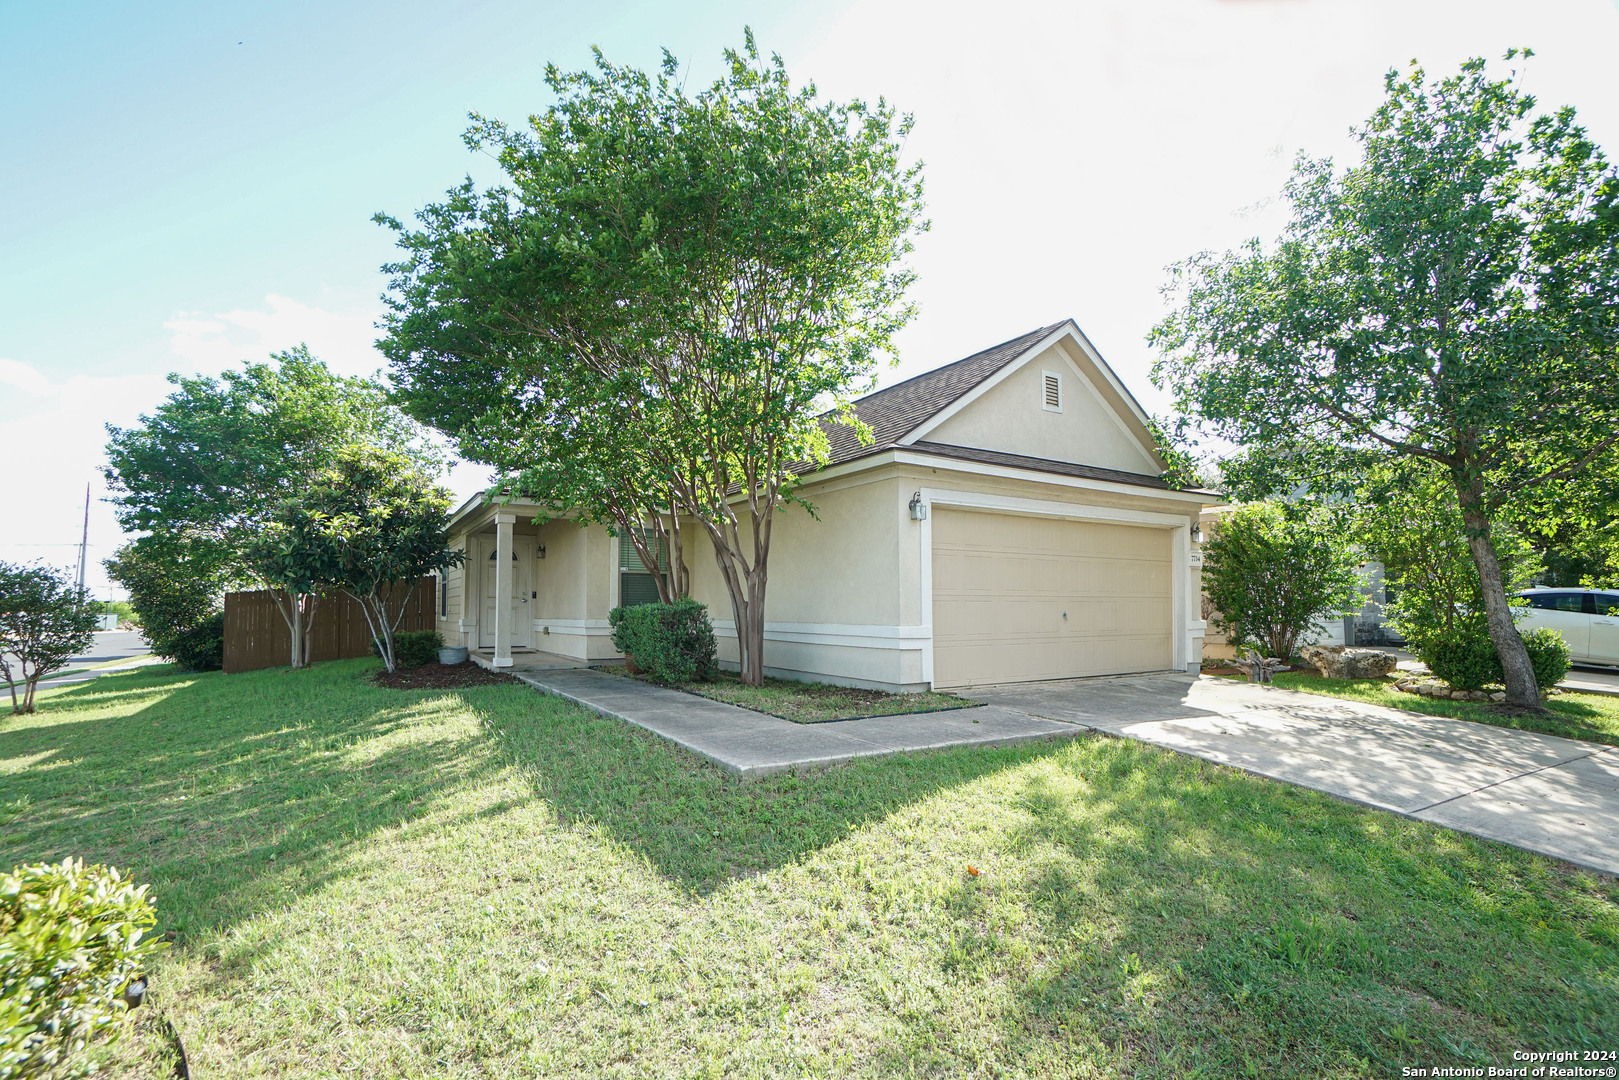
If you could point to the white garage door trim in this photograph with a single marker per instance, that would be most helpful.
(1181, 550)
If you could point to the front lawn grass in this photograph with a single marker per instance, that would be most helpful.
(810, 703)
(1592, 717)
(490, 882)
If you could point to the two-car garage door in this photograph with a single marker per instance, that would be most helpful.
(1021, 598)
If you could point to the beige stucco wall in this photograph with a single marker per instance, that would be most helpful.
(1010, 417)
(836, 599)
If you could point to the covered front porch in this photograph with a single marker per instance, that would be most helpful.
(521, 660)
(528, 595)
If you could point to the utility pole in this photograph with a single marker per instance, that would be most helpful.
(84, 540)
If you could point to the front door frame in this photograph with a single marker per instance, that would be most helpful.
(522, 587)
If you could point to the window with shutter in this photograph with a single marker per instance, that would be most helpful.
(635, 585)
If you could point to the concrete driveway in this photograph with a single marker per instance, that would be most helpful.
(1555, 796)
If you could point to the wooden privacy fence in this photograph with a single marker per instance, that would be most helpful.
(256, 636)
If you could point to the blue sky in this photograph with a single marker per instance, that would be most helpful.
(187, 186)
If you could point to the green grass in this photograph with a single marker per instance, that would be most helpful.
(811, 703)
(1592, 717)
(491, 882)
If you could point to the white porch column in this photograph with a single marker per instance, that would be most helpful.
(503, 588)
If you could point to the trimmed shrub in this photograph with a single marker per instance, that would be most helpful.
(201, 648)
(413, 648)
(1468, 661)
(1548, 653)
(671, 643)
(70, 943)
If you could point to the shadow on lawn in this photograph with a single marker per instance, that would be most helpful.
(231, 795)
(1200, 921)
(699, 827)
(236, 794)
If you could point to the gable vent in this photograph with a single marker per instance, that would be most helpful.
(1053, 392)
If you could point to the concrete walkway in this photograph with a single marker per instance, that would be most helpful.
(752, 744)
(1559, 797)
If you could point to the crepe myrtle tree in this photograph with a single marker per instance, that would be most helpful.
(205, 470)
(680, 282)
(370, 525)
(1448, 298)
(44, 621)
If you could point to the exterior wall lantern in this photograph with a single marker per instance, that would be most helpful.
(919, 509)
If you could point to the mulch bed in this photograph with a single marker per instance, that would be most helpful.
(441, 677)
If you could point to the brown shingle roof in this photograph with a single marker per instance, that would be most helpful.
(1020, 461)
(894, 412)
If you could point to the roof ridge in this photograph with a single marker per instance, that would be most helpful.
(1040, 332)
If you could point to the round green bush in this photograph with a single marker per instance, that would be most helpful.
(1548, 652)
(671, 643)
(1465, 662)
(201, 648)
(413, 648)
(1469, 661)
(72, 938)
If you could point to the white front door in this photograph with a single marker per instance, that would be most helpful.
(522, 584)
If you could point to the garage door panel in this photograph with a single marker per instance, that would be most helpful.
(1002, 583)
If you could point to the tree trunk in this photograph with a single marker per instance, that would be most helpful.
(1509, 646)
(746, 586)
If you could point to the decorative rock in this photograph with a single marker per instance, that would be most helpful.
(1499, 695)
(1478, 695)
(1460, 695)
(1341, 662)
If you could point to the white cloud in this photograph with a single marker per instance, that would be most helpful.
(53, 434)
(213, 342)
(51, 440)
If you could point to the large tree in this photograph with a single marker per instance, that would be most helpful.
(208, 467)
(1449, 298)
(644, 324)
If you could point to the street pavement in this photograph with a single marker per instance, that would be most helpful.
(109, 646)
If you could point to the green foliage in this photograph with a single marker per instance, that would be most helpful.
(217, 456)
(121, 608)
(1463, 657)
(175, 582)
(1409, 520)
(44, 621)
(413, 648)
(1466, 658)
(656, 310)
(1272, 577)
(1548, 652)
(671, 643)
(1447, 299)
(1177, 445)
(372, 526)
(204, 472)
(70, 942)
(202, 647)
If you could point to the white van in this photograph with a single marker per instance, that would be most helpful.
(1588, 619)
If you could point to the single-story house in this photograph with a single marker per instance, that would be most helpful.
(1006, 523)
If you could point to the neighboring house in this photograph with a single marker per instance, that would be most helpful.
(1006, 523)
